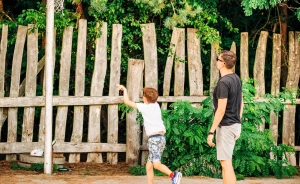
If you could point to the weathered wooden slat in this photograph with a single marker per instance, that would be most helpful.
(79, 87)
(115, 73)
(64, 80)
(179, 66)
(3, 51)
(97, 90)
(14, 87)
(151, 68)
(289, 115)
(233, 49)
(244, 56)
(275, 86)
(62, 147)
(31, 76)
(259, 67)
(42, 130)
(169, 64)
(194, 63)
(86, 100)
(134, 76)
(214, 72)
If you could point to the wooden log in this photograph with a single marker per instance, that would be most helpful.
(288, 129)
(14, 87)
(151, 69)
(61, 147)
(3, 51)
(115, 73)
(275, 84)
(134, 75)
(97, 86)
(64, 80)
(244, 56)
(169, 64)
(31, 76)
(79, 87)
(259, 67)
(214, 72)
(194, 63)
(233, 49)
(179, 68)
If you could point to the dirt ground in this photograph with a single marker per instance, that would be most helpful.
(109, 174)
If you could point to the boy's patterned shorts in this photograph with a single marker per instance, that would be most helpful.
(156, 146)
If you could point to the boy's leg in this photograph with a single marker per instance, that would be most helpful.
(150, 172)
(161, 167)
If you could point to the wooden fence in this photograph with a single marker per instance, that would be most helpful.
(140, 73)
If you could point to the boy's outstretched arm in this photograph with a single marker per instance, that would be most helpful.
(126, 98)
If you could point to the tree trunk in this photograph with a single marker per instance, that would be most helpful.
(3, 13)
(283, 32)
(79, 9)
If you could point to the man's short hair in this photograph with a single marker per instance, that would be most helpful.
(229, 58)
(150, 94)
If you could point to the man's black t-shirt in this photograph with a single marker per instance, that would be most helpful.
(230, 87)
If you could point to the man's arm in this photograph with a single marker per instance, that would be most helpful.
(127, 101)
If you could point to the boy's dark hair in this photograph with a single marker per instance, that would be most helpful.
(229, 58)
(150, 94)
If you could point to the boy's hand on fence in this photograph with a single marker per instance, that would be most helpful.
(121, 87)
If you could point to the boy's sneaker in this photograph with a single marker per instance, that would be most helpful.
(176, 178)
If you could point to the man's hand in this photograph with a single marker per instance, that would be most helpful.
(209, 140)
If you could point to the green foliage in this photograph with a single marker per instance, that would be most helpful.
(33, 167)
(187, 128)
(138, 170)
(249, 5)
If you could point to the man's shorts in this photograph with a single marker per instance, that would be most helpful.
(225, 140)
(156, 146)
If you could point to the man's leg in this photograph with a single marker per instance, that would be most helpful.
(228, 172)
(150, 172)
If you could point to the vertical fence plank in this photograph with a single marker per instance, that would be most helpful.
(97, 86)
(214, 72)
(64, 80)
(151, 68)
(31, 76)
(14, 87)
(169, 64)
(134, 76)
(289, 115)
(43, 110)
(275, 86)
(194, 63)
(79, 87)
(233, 49)
(179, 67)
(259, 67)
(244, 56)
(3, 51)
(115, 73)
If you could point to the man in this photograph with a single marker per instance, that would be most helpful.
(228, 105)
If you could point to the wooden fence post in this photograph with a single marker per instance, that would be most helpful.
(14, 87)
(134, 75)
(288, 129)
(214, 72)
(275, 86)
(100, 66)
(151, 69)
(3, 51)
(233, 49)
(115, 73)
(244, 56)
(179, 66)
(259, 67)
(194, 63)
(79, 87)
(31, 75)
(64, 83)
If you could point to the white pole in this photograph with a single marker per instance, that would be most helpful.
(49, 86)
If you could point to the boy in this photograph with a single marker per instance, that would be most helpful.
(155, 130)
